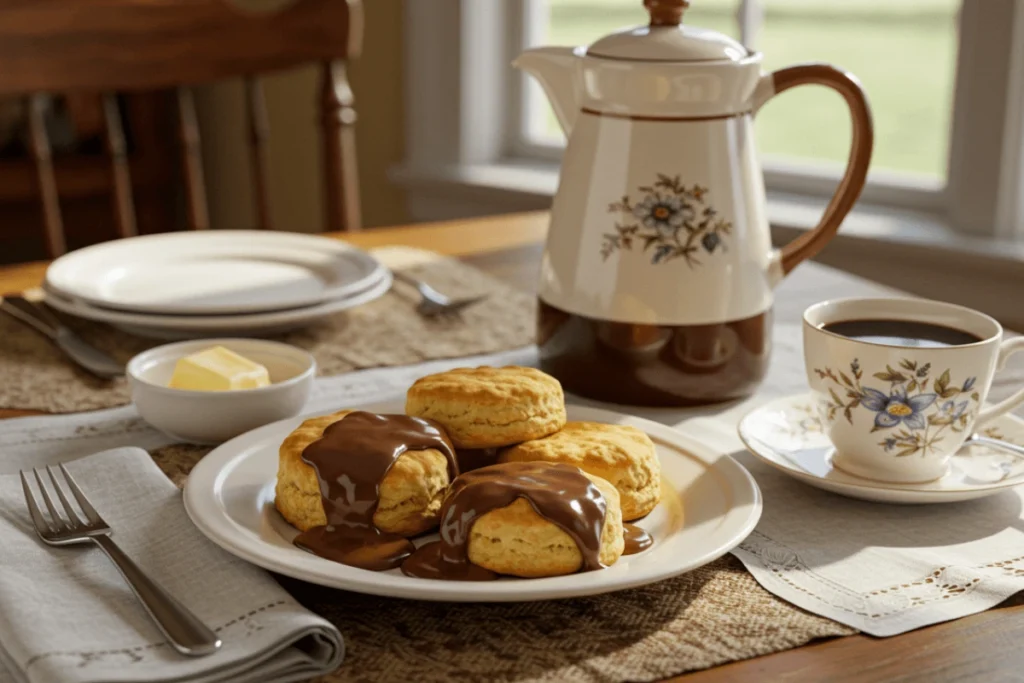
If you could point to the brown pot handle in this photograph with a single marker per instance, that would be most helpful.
(810, 243)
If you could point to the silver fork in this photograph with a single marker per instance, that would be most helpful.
(186, 633)
(432, 302)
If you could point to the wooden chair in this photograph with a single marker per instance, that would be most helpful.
(111, 46)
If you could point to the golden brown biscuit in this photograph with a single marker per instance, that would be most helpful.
(516, 540)
(625, 456)
(489, 407)
(411, 492)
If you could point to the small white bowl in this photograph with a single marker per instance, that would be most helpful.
(212, 417)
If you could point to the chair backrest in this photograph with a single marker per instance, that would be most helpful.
(110, 46)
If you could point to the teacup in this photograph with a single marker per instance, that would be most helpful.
(897, 412)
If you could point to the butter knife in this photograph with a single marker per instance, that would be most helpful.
(87, 357)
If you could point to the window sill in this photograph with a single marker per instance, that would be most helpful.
(913, 251)
(521, 185)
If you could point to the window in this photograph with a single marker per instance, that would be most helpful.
(903, 52)
(945, 79)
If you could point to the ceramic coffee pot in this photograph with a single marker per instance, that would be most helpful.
(657, 277)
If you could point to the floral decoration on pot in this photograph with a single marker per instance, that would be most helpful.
(668, 221)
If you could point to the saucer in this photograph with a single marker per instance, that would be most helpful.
(787, 434)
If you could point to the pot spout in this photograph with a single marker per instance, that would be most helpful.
(555, 70)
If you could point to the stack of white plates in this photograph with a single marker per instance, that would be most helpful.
(214, 283)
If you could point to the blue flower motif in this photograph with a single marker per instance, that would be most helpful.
(664, 214)
(897, 408)
(952, 410)
(969, 383)
(710, 241)
(890, 443)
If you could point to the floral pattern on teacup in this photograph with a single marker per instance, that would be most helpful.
(804, 422)
(668, 221)
(917, 414)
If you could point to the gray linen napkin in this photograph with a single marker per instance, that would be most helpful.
(66, 615)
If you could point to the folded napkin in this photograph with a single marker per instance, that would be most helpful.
(66, 615)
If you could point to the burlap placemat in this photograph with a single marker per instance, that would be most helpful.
(387, 332)
(710, 616)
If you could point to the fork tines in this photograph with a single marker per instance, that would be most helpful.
(57, 523)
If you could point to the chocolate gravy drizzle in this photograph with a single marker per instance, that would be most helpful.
(475, 458)
(559, 493)
(351, 459)
(637, 540)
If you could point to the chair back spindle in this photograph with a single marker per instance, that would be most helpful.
(39, 148)
(192, 160)
(124, 206)
(259, 132)
(338, 117)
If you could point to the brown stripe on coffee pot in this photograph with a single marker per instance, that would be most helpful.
(646, 117)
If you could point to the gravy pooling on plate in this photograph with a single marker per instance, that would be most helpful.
(351, 459)
(637, 540)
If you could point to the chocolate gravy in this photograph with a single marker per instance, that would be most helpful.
(637, 540)
(559, 493)
(475, 458)
(654, 365)
(351, 459)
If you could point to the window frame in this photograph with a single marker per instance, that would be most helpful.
(464, 47)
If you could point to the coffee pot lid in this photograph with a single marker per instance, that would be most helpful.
(666, 39)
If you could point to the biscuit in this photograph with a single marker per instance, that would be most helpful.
(411, 492)
(623, 455)
(489, 407)
(516, 540)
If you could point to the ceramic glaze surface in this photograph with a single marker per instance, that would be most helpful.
(659, 223)
(663, 89)
(899, 413)
(730, 279)
(787, 435)
(654, 365)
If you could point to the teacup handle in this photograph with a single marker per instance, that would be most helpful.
(1006, 349)
(810, 243)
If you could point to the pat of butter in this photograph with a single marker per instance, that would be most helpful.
(218, 369)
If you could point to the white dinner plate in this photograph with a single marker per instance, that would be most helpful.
(213, 272)
(709, 505)
(787, 434)
(171, 327)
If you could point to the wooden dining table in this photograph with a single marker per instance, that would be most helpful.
(982, 647)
